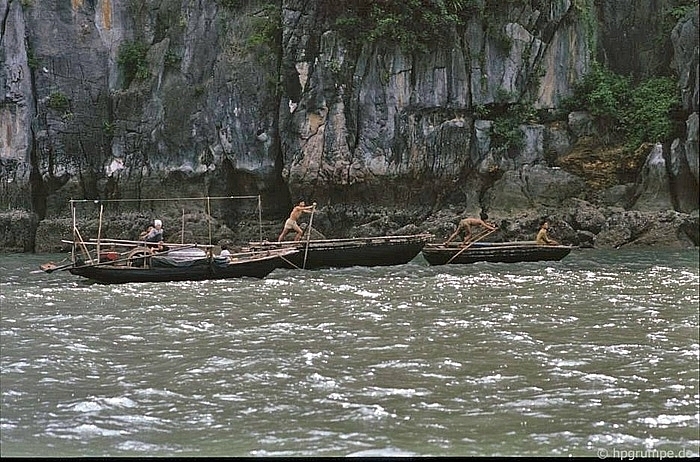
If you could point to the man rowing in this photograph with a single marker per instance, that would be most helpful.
(466, 224)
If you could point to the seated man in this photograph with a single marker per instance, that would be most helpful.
(154, 234)
(542, 237)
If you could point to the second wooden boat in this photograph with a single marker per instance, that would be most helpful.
(338, 253)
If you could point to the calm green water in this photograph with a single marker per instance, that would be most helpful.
(596, 355)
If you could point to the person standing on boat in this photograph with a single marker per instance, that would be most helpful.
(466, 224)
(291, 223)
(542, 237)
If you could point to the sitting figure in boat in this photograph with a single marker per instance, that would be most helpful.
(225, 252)
(154, 234)
(542, 237)
(466, 225)
(291, 223)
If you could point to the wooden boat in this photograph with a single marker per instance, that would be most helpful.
(116, 261)
(144, 265)
(339, 253)
(495, 252)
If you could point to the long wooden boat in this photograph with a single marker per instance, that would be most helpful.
(495, 252)
(144, 266)
(339, 253)
(116, 261)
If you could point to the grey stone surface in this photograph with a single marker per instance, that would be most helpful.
(210, 112)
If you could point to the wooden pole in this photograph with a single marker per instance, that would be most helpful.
(260, 217)
(290, 262)
(478, 238)
(82, 242)
(308, 237)
(128, 243)
(182, 230)
(99, 232)
(72, 206)
(209, 217)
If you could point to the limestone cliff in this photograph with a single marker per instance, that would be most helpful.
(174, 98)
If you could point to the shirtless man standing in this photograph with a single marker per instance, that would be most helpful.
(291, 223)
(466, 225)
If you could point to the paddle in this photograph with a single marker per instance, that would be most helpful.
(478, 238)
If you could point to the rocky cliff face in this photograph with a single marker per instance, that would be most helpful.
(170, 98)
(375, 124)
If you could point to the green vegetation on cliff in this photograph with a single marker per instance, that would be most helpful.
(420, 25)
(413, 24)
(132, 59)
(627, 113)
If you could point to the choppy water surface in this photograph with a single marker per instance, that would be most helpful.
(594, 354)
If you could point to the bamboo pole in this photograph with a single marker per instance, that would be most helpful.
(164, 199)
(260, 217)
(75, 227)
(308, 237)
(209, 218)
(289, 261)
(182, 231)
(478, 238)
(127, 242)
(82, 242)
(99, 231)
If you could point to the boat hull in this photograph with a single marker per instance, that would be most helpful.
(340, 253)
(185, 270)
(496, 253)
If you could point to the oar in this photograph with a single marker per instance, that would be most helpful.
(478, 238)
(308, 238)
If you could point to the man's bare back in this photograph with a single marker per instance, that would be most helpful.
(297, 211)
(471, 221)
(466, 224)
